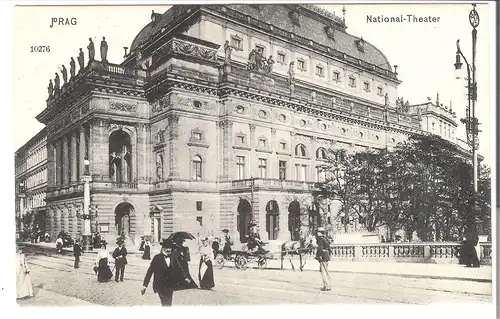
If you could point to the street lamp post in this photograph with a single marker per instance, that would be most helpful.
(251, 197)
(470, 121)
(87, 232)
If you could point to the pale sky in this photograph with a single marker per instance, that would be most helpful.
(424, 53)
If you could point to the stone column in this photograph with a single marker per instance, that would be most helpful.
(82, 147)
(252, 162)
(227, 149)
(74, 159)
(312, 155)
(98, 147)
(273, 159)
(51, 165)
(142, 153)
(65, 218)
(66, 169)
(58, 166)
(173, 145)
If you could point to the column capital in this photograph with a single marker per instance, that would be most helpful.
(252, 127)
(273, 131)
(225, 123)
(174, 118)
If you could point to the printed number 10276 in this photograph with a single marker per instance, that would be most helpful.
(40, 48)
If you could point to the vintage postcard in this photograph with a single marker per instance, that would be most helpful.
(253, 154)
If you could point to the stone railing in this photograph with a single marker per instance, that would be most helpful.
(272, 183)
(446, 252)
(132, 185)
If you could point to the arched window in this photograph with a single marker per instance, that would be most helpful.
(321, 153)
(120, 163)
(300, 150)
(197, 167)
(159, 167)
(272, 219)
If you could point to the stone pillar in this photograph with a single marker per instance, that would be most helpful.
(283, 233)
(173, 145)
(272, 168)
(252, 162)
(65, 172)
(65, 218)
(57, 217)
(142, 153)
(51, 165)
(58, 165)
(82, 150)
(99, 148)
(312, 155)
(226, 154)
(74, 159)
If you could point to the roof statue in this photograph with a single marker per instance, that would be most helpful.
(91, 49)
(81, 61)
(72, 67)
(104, 50)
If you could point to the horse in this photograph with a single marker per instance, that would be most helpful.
(306, 245)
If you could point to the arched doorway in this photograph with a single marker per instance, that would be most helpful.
(272, 219)
(244, 218)
(120, 161)
(294, 220)
(314, 217)
(122, 218)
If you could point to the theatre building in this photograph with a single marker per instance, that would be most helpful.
(219, 115)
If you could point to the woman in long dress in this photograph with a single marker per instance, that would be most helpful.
(102, 266)
(206, 270)
(182, 254)
(24, 287)
(147, 251)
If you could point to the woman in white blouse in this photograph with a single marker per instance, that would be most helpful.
(206, 270)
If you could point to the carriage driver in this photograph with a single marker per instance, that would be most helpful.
(254, 238)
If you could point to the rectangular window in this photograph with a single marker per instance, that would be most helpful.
(281, 57)
(236, 43)
(301, 65)
(366, 86)
(262, 167)
(320, 175)
(352, 82)
(380, 91)
(283, 146)
(197, 170)
(260, 49)
(282, 170)
(197, 136)
(336, 76)
(240, 162)
(199, 206)
(240, 139)
(262, 143)
(300, 171)
(319, 70)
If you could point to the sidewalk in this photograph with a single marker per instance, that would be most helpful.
(408, 270)
(46, 298)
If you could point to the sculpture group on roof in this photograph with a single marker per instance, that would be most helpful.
(257, 62)
(402, 106)
(56, 86)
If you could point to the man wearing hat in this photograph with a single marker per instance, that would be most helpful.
(228, 242)
(254, 238)
(323, 257)
(77, 252)
(120, 256)
(167, 274)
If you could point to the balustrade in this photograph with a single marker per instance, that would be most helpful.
(124, 185)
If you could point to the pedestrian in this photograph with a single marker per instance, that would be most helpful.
(24, 286)
(59, 244)
(206, 269)
(147, 250)
(215, 246)
(143, 242)
(120, 256)
(228, 242)
(181, 253)
(471, 239)
(168, 274)
(323, 257)
(101, 266)
(77, 252)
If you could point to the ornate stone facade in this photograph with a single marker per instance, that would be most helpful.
(199, 144)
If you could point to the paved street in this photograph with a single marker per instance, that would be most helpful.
(57, 282)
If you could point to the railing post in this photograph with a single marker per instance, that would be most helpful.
(391, 251)
(427, 251)
(358, 252)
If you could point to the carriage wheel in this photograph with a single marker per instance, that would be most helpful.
(219, 261)
(241, 262)
(262, 263)
(236, 261)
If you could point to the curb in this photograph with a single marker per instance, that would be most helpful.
(482, 280)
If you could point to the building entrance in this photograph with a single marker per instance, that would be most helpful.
(244, 218)
(122, 218)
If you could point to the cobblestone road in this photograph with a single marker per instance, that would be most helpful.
(55, 274)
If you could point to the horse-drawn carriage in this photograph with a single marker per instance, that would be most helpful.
(242, 258)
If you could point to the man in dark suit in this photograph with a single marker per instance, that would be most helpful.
(120, 256)
(168, 274)
(77, 252)
(323, 257)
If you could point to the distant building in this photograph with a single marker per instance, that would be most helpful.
(186, 134)
(31, 181)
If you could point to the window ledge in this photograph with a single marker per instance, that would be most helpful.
(263, 150)
(283, 153)
(198, 144)
(242, 147)
(302, 157)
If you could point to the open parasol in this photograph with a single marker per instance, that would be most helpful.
(180, 235)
